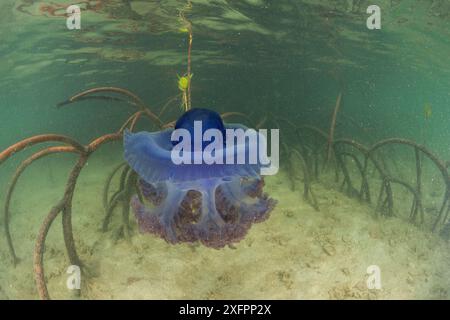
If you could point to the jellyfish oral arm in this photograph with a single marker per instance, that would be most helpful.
(226, 211)
(209, 210)
(169, 208)
(199, 198)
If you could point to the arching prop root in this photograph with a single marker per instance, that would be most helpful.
(64, 206)
(73, 146)
(127, 187)
(313, 147)
(349, 152)
(45, 227)
(132, 100)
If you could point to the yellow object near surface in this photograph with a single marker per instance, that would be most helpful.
(183, 30)
(183, 83)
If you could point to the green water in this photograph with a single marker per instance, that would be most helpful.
(282, 58)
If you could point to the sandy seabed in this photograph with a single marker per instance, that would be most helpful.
(298, 253)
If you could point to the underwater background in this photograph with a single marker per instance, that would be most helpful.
(283, 59)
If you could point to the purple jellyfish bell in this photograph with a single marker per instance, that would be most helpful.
(214, 202)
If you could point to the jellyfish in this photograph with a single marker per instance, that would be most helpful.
(215, 203)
